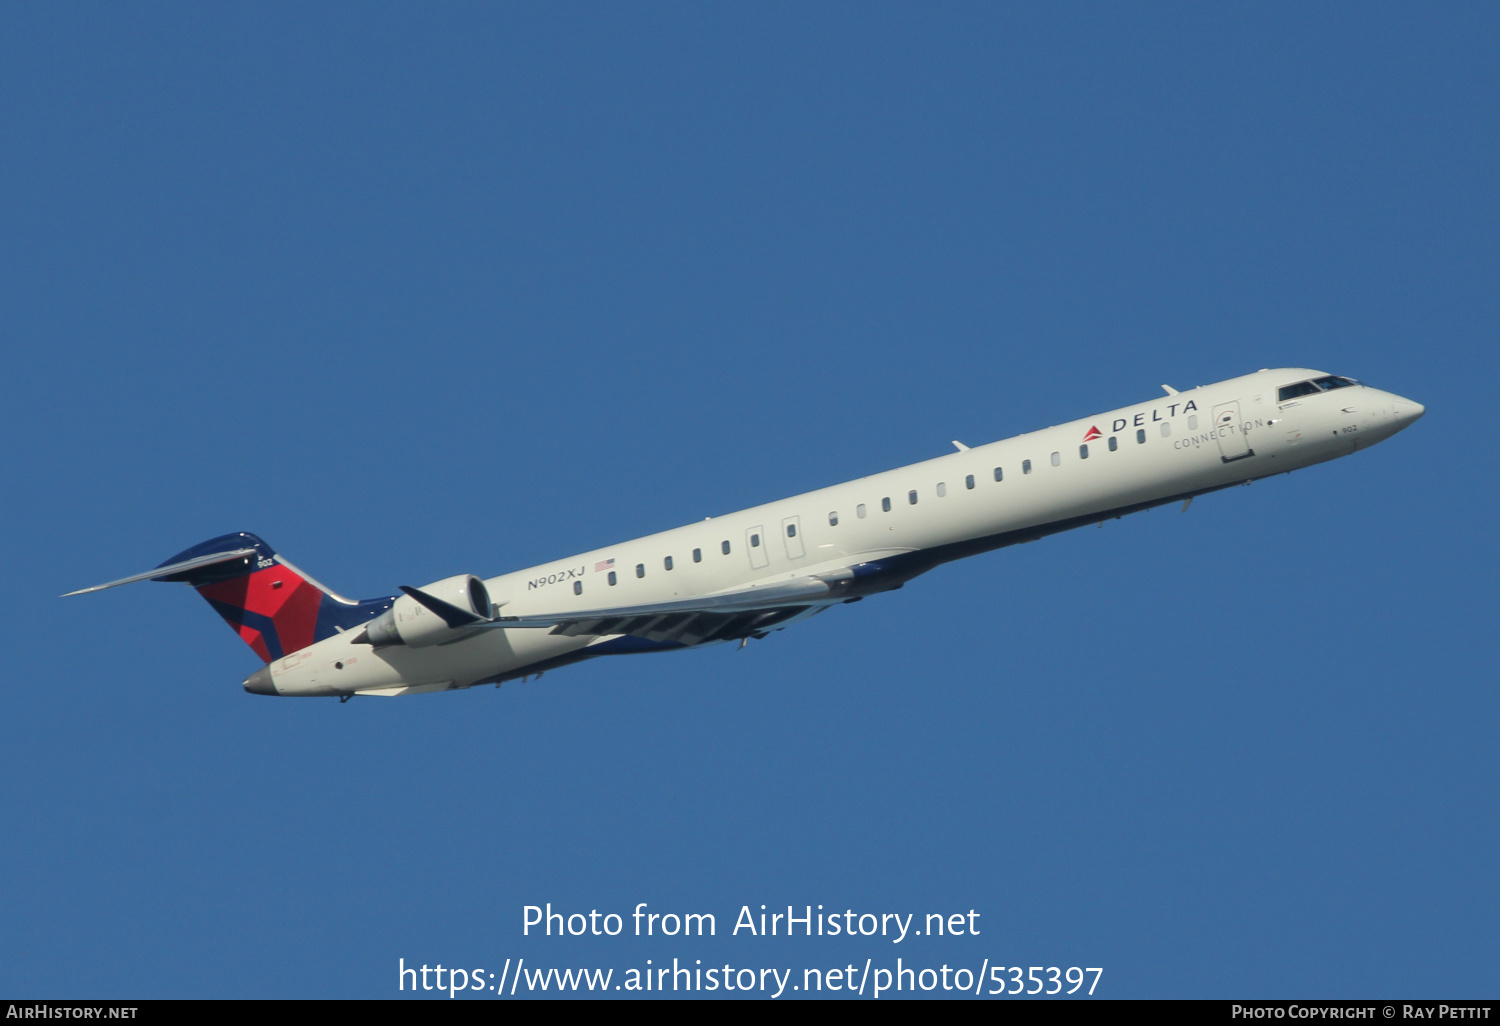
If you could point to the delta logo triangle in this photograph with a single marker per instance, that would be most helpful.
(1093, 434)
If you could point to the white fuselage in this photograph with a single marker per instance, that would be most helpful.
(914, 517)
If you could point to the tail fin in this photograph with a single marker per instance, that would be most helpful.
(275, 608)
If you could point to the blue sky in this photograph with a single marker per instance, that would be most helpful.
(419, 291)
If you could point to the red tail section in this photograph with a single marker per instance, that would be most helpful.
(274, 608)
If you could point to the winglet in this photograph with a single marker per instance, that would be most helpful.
(450, 614)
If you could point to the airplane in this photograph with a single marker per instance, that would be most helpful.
(742, 575)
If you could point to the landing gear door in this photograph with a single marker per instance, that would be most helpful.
(1233, 444)
(755, 544)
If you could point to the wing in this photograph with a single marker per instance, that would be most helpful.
(735, 614)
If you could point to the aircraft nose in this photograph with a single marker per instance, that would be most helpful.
(259, 682)
(1405, 412)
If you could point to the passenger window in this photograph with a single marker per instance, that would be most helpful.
(1166, 428)
(833, 519)
(791, 530)
(755, 541)
(1301, 388)
(697, 555)
(1083, 452)
(885, 505)
(1140, 436)
(1057, 459)
(1114, 443)
(911, 497)
(640, 569)
(613, 580)
(1025, 466)
(577, 587)
(724, 547)
(1192, 422)
(667, 562)
(1000, 474)
(942, 489)
(859, 511)
(969, 482)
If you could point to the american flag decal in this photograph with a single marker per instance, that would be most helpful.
(601, 567)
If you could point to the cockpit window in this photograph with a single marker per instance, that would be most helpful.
(1293, 391)
(1316, 385)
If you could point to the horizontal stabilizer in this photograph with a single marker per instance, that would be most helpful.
(272, 606)
(196, 563)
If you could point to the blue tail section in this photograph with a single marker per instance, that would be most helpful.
(274, 608)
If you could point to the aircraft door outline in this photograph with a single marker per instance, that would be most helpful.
(791, 533)
(755, 544)
(1233, 445)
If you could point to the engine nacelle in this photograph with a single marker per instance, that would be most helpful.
(408, 622)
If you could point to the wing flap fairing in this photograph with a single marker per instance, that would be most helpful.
(806, 591)
(696, 621)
